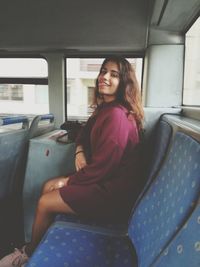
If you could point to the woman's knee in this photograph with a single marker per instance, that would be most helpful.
(46, 186)
(54, 184)
(49, 184)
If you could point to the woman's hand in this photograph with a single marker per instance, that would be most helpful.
(80, 160)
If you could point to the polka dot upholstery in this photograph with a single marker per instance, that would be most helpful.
(184, 249)
(168, 201)
(63, 247)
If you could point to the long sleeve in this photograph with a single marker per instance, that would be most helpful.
(84, 133)
(109, 140)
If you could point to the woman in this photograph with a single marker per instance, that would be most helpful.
(107, 182)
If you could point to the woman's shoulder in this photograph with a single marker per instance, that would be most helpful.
(112, 113)
(117, 115)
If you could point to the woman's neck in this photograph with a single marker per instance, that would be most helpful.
(108, 98)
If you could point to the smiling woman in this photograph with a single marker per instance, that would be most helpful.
(117, 81)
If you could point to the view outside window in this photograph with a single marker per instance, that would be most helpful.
(191, 93)
(81, 76)
(21, 89)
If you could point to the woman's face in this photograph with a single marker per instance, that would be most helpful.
(108, 81)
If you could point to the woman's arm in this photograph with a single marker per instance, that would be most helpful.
(83, 141)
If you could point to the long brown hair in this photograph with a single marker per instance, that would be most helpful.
(128, 92)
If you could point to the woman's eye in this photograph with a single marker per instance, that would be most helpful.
(115, 75)
(103, 71)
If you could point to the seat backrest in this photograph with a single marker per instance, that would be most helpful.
(54, 159)
(13, 151)
(156, 155)
(161, 142)
(42, 124)
(184, 249)
(168, 201)
(13, 141)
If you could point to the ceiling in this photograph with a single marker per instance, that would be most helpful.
(90, 25)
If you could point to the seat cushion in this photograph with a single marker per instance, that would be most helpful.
(63, 246)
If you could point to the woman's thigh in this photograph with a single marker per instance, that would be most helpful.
(52, 202)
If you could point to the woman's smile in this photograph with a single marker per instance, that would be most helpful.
(102, 84)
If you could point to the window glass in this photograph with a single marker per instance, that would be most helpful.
(23, 86)
(81, 76)
(11, 92)
(23, 67)
(24, 99)
(191, 90)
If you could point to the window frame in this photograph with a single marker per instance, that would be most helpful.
(24, 80)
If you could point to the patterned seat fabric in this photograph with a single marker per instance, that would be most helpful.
(63, 247)
(169, 200)
(184, 249)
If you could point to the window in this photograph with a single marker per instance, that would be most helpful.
(191, 90)
(81, 74)
(23, 86)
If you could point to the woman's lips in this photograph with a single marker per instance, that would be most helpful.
(103, 84)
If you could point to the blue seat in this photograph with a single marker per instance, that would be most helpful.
(168, 202)
(158, 217)
(70, 247)
(184, 249)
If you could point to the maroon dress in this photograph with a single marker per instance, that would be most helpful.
(107, 187)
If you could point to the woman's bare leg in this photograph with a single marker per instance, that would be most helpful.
(49, 204)
(54, 183)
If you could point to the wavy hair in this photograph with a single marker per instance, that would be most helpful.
(128, 92)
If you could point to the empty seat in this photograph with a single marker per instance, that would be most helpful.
(169, 200)
(184, 249)
(64, 246)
